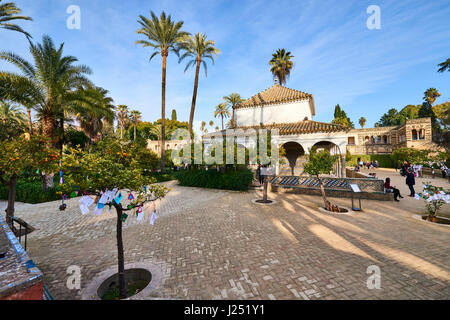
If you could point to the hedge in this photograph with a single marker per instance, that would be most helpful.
(31, 192)
(230, 180)
(384, 160)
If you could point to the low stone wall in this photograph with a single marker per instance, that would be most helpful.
(20, 279)
(427, 171)
(334, 193)
(350, 173)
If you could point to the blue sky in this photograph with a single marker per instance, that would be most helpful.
(337, 58)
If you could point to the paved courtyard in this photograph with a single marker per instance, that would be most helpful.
(219, 245)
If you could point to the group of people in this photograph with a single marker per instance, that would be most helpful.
(406, 166)
(368, 164)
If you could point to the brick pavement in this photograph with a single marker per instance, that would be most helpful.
(219, 245)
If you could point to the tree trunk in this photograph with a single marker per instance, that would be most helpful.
(120, 257)
(163, 114)
(11, 200)
(134, 132)
(48, 127)
(324, 197)
(194, 97)
(30, 124)
(121, 133)
(222, 121)
(232, 119)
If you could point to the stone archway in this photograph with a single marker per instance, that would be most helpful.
(339, 166)
(291, 164)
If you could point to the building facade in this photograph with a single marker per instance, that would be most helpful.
(415, 133)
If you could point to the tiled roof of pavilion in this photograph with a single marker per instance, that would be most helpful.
(306, 126)
(277, 94)
(302, 127)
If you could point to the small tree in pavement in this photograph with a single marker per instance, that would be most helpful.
(321, 162)
(94, 173)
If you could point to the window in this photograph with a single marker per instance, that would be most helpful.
(385, 139)
(414, 134)
(378, 139)
(351, 140)
(366, 140)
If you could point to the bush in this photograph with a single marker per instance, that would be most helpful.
(230, 180)
(384, 160)
(31, 192)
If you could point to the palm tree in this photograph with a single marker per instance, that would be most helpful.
(9, 12)
(202, 126)
(51, 85)
(98, 110)
(362, 122)
(444, 65)
(431, 95)
(135, 117)
(233, 100)
(281, 65)
(222, 111)
(164, 36)
(198, 49)
(211, 123)
(122, 117)
(11, 115)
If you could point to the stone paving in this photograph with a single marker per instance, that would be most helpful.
(219, 245)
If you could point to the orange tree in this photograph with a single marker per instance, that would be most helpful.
(320, 162)
(111, 173)
(23, 154)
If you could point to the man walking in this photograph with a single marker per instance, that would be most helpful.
(411, 181)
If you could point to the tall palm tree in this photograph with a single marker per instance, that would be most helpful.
(135, 117)
(164, 36)
(122, 117)
(444, 65)
(431, 95)
(198, 49)
(98, 110)
(9, 12)
(281, 65)
(211, 123)
(222, 110)
(50, 85)
(362, 122)
(233, 100)
(11, 115)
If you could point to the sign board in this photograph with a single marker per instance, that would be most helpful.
(355, 187)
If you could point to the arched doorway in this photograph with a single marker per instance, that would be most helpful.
(291, 164)
(339, 166)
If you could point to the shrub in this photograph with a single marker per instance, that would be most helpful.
(229, 180)
(31, 192)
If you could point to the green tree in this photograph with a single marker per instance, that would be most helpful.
(281, 65)
(174, 115)
(362, 122)
(391, 118)
(123, 116)
(97, 110)
(198, 49)
(431, 95)
(50, 85)
(164, 36)
(233, 100)
(105, 174)
(135, 117)
(320, 162)
(340, 117)
(10, 12)
(444, 65)
(20, 154)
(222, 110)
(410, 112)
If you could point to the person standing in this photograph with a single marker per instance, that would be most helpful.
(411, 181)
(395, 166)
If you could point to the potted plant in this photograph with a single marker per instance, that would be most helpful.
(435, 198)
